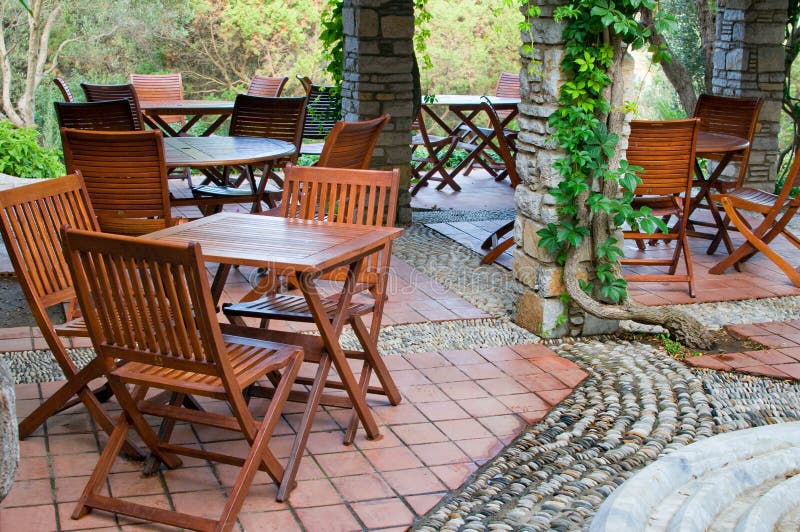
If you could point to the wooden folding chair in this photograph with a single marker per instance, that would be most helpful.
(102, 93)
(30, 220)
(149, 305)
(111, 115)
(360, 197)
(666, 152)
(266, 86)
(503, 142)
(125, 175)
(508, 86)
(257, 116)
(438, 150)
(159, 87)
(777, 211)
(350, 144)
(63, 86)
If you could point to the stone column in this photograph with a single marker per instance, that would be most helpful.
(540, 305)
(749, 61)
(378, 62)
(9, 437)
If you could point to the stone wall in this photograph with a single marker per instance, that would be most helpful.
(749, 61)
(378, 62)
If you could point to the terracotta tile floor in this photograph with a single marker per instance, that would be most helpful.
(478, 191)
(780, 358)
(460, 408)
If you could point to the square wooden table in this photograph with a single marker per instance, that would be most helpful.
(308, 249)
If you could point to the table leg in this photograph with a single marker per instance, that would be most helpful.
(156, 122)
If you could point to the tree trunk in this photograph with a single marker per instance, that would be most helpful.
(707, 25)
(675, 71)
(681, 326)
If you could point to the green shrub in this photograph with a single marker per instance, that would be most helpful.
(21, 155)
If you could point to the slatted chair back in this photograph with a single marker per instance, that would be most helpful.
(266, 86)
(63, 86)
(30, 221)
(125, 175)
(276, 118)
(350, 144)
(508, 86)
(665, 149)
(160, 87)
(113, 115)
(101, 93)
(147, 302)
(731, 116)
(359, 197)
(324, 109)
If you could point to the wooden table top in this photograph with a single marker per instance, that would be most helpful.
(199, 152)
(187, 107)
(472, 100)
(286, 244)
(708, 142)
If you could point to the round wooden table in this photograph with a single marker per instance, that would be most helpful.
(210, 153)
(154, 110)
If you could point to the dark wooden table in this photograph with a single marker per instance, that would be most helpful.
(211, 153)
(306, 248)
(467, 108)
(154, 110)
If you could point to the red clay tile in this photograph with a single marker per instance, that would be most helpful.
(737, 360)
(318, 492)
(422, 503)
(72, 443)
(570, 377)
(190, 479)
(363, 487)
(773, 340)
(34, 467)
(133, 483)
(208, 503)
(503, 425)
(383, 513)
(442, 410)
(770, 356)
(424, 393)
(402, 413)
(777, 327)
(554, 363)
(410, 377)
(419, 433)
(282, 520)
(343, 464)
(502, 386)
(483, 371)
(463, 429)
(325, 442)
(481, 448)
(426, 360)
(532, 350)
(792, 352)
(523, 402)
(440, 453)
(32, 447)
(463, 390)
(708, 361)
(486, 406)
(444, 374)
(554, 397)
(793, 370)
(28, 493)
(518, 368)
(464, 357)
(536, 383)
(493, 354)
(335, 518)
(454, 475)
(413, 481)
(392, 458)
(767, 370)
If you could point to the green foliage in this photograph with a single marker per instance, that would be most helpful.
(332, 39)
(23, 156)
(579, 129)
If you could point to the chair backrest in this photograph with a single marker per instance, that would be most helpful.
(324, 109)
(63, 86)
(665, 149)
(275, 118)
(266, 86)
(112, 115)
(147, 302)
(508, 85)
(155, 87)
(125, 175)
(350, 144)
(30, 218)
(102, 93)
(732, 116)
(506, 147)
(359, 197)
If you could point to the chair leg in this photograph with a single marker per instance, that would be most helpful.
(151, 463)
(495, 253)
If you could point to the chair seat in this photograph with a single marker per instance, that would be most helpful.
(221, 191)
(75, 327)
(250, 359)
(313, 148)
(757, 200)
(289, 307)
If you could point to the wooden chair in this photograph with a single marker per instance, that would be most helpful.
(125, 175)
(155, 87)
(508, 86)
(666, 152)
(30, 218)
(350, 144)
(149, 305)
(266, 86)
(361, 197)
(63, 86)
(111, 115)
(504, 144)
(102, 93)
(438, 150)
(324, 110)
(256, 116)
(776, 210)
